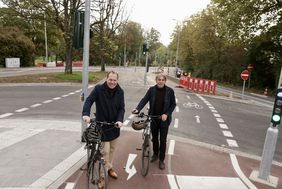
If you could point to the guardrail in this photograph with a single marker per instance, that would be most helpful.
(198, 84)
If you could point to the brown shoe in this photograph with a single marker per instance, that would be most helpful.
(101, 184)
(112, 174)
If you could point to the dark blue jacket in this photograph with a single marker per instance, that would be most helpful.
(169, 101)
(109, 108)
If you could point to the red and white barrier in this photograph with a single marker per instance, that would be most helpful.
(198, 84)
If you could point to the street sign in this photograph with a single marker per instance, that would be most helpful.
(245, 75)
(250, 67)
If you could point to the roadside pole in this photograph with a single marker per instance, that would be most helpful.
(263, 175)
(244, 75)
(145, 75)
(86, 43)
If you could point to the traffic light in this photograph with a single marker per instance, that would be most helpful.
(145, 49)
(277, 108)
(78, 31)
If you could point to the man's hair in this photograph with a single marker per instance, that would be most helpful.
(160, 75)
(112, 72)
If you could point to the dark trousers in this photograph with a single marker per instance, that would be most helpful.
(159, 135)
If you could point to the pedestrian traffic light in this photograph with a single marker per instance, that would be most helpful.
(277, 108)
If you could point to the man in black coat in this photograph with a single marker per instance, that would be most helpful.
(109, 101)
(161, 99)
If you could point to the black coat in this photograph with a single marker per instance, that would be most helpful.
(169, 101)
(109, 108)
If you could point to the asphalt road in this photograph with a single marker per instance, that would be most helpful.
(199, 117)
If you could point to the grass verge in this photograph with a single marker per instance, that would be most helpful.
(76, 77)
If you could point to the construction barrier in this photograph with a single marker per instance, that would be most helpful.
(198, 84)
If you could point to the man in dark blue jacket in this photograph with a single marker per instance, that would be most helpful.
(109, 101)
(161, 99)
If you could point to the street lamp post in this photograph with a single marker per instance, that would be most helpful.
(177, 49)
(46, 42)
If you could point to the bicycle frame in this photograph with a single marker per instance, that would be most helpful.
(96, 170)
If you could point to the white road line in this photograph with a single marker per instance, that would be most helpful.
(65, 96)
(21, 110)
(6, 115)
(188, 97)
(125, 122)
(35, 105)
(177, 109)
(171, 147)
(176, 100)
(57, 98)
(216, 115)
(71, 93)
(223, 126)
(239, 172)
(232, 143)
(220, 120)
(172, 182)
(214, 111)
(227, 134)
(211, 107)
(70, 185)
(47, 101)
(77, 91)
(175, 123)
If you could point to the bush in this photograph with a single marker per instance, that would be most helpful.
(14, 44)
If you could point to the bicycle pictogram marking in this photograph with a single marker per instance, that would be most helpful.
(192, 105)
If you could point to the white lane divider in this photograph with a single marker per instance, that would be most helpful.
(175, 123)
(227, 134)
(6, 115)
(177, 109)
(232, 143)
(47, 101)
(35, 105)
(128, 168)
(171, 147)
(197, 119)
(21, 110)
(172, 181)
(223, 126)
(56, 98)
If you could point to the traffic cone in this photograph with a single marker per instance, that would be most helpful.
(265, 91)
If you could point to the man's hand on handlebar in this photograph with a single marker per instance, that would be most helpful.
(134, 111)
(86, 119)
(118, 124)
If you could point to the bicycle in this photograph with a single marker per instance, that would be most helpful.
(96, 169)
(146, 136)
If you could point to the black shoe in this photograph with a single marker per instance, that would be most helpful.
(162, 165)
(154, 158)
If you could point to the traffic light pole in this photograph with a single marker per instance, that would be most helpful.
(268, 152)
(86, 42)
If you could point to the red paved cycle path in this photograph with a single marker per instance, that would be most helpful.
(191, 166)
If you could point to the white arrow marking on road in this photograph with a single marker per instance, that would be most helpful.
(197, 118)
(131, 171)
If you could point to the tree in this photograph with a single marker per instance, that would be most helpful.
(13, 43)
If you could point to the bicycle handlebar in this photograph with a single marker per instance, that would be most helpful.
(102, 123)
(142, 114)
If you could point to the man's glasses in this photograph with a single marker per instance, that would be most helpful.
(161, 79)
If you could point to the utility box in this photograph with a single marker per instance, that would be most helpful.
(12, 62)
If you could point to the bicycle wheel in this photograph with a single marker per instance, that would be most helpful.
(146, 148)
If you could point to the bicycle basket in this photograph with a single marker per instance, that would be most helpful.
(138, 125)
(91, 134)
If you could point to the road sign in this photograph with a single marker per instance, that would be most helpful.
(245, 75)
(250, 67)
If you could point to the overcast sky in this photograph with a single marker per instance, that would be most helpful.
(162, 14)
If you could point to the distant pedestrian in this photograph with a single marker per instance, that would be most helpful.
(161, 99)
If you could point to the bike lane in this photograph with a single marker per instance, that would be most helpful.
(188, 165)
